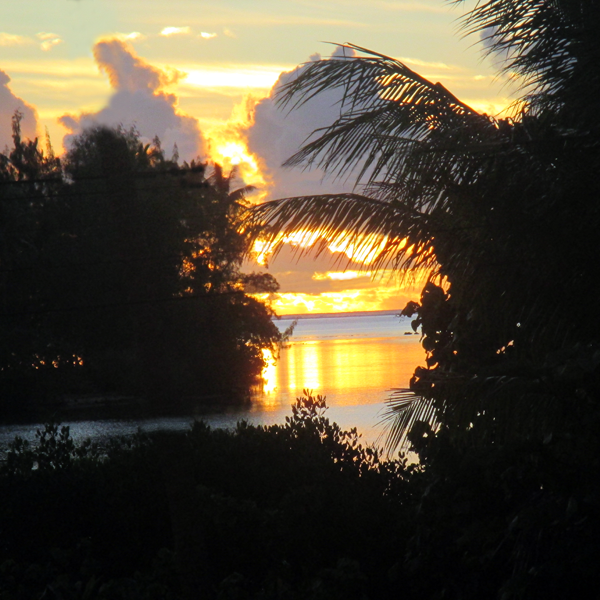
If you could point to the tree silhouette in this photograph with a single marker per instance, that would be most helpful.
(501, 212)
(121, 272)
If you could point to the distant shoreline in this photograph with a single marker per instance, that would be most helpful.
(359, 313)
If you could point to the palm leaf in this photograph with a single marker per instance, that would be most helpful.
(409, 138)
(551, 48)
(388, 113)
(352, 221)
(454, 192)
(404, 409)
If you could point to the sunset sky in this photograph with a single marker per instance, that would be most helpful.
(201, 74)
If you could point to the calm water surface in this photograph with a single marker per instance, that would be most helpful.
(354, 361)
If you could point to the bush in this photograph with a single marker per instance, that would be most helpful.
(299, 510)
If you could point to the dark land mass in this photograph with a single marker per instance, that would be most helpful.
(92, 407)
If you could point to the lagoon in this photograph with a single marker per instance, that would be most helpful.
(354, 360)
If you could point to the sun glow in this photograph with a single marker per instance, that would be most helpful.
(360, 249)
(341, 275)
(228, 147)
(363, 249)
(388, 291)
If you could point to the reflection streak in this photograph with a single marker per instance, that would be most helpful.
(348, 371)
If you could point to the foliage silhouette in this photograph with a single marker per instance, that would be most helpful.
(501, 213)
(299, 509)
(123, 274)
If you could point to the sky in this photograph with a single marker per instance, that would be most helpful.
(202, 75)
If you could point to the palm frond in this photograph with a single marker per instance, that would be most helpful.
(239, 195)
(551, 48)
(387, 114)
(410, 138)
(398, 233)
(486, 408)
(460, 194)
(404, 409)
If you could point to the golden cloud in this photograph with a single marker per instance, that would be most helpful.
(169, 31)
(243, 77)
(341, 275)
(49, 40)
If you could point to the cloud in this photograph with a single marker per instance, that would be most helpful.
(49, 40)
(134, 36)
(229, 33)
(169, 31)
(340, 275)
(494, 47)
(207, 36)
(330, 281)
(276, 134)
(247, 76)
(128, 72)
(139, 100)
(10, 39)
(9, 103)
(427, 64)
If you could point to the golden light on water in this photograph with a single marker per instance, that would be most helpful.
(357, 369)
(307, 365)
(269, 371)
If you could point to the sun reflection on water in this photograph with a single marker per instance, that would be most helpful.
(307, 368)
(269, 372)
(349, 372)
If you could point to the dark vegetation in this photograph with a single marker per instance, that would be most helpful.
(504, 414)
(120, 274)
(292, 511)
(503, 214)
(299, 510)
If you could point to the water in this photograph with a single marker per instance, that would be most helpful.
(353, 360)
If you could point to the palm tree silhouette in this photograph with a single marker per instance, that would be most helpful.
(501, 211)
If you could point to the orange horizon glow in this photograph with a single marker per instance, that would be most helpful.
(369, 299)
(227, 146)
